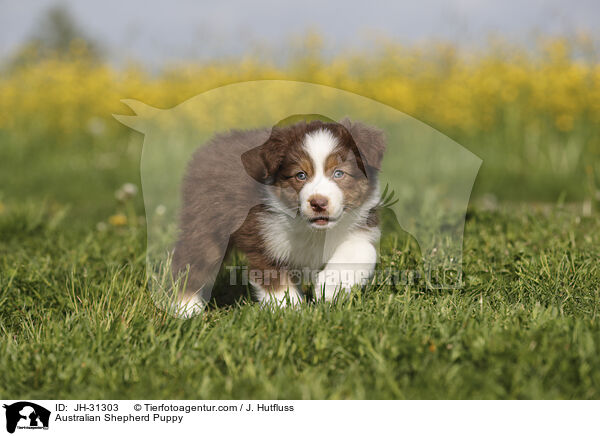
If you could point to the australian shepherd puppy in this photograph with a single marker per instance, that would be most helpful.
(296, 198)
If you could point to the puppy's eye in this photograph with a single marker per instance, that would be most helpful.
(338, 174)
(301, 176)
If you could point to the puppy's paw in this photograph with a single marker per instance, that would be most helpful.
(326, 291)
(188, 307)
(336, 283)
(281, 298)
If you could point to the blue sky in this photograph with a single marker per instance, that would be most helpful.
(158, 32)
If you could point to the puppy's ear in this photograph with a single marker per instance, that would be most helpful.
(369, 140)
(262, 162)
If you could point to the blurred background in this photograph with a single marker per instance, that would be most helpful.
(516, 83)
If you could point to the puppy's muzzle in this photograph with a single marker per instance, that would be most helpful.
(318, 203)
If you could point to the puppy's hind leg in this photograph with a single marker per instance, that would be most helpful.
(194, 274)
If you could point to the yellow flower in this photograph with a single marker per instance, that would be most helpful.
(449, 89)
(117, 220)
(510, 94)
(564, 122)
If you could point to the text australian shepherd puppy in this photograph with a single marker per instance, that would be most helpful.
(296, 198)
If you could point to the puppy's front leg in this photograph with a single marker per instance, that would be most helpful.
(275, 287)
(352, 263)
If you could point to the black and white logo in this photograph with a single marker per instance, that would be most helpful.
(26, 415)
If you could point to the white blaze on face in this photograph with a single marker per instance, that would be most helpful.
(319, 145)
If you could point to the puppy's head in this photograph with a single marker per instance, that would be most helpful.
(318, 170)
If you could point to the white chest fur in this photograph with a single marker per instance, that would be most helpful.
(289, 240)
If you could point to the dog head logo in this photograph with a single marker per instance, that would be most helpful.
(26, 415)
(425, 177)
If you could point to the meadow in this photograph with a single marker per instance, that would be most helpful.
(76, 320)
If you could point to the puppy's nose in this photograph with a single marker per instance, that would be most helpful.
(318, 203)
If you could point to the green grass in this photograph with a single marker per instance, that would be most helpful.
(76, 321)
